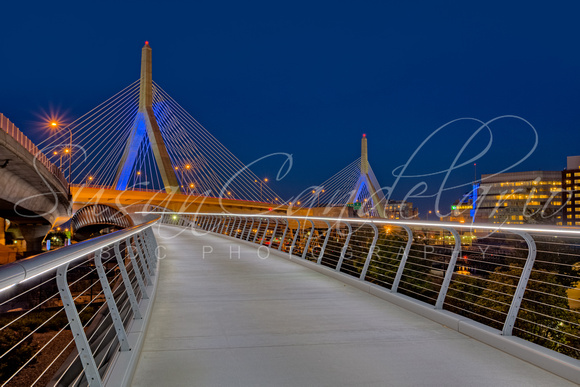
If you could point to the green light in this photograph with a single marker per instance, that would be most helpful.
(453, 207)
(174, 217)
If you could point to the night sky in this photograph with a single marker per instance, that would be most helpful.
(309, 78)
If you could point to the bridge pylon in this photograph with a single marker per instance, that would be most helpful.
(369, 181)
(146, 127)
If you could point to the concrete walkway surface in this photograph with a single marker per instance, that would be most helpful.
(226, 319)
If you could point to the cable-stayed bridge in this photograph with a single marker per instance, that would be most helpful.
(185, 294)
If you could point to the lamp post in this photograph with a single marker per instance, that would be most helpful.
(139, 179)
(261, 182)
(68, 150)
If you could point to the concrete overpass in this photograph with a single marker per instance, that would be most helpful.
(33, 191)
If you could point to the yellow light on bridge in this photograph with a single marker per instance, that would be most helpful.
(53, 124)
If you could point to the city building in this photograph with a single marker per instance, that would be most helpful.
(398, 209)
(520, 197)
(571, 192)
(463, 210)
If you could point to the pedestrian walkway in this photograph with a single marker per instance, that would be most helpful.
(226, 316)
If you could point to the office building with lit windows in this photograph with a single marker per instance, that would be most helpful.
(398, 209)
(571, 192)
(520, 197)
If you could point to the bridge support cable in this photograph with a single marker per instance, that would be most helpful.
(142, 139)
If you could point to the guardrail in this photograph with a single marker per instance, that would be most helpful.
(7, 126)
(511, 280)
(69, 315)
(94, 214)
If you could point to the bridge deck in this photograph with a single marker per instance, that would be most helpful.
(271, 322)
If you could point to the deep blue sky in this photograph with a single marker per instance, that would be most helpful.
(308, 78)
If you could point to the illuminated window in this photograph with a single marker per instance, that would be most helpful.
(577, 216)
(569, 216)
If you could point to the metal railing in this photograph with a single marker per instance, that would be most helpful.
(7, 126)
(517, 280)
(94, 214)
(65, 315)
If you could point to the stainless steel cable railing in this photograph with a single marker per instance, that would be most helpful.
(65, 315)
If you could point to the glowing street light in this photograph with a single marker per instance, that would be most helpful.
(55, 125)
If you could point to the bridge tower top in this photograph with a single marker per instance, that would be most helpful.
(146, 85)
(146, 128)
(364, 157)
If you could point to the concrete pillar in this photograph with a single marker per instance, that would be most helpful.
(2, 231)
(33, 235)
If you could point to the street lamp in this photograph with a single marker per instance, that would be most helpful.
(55, 125)
(139, 179)
(265, 181)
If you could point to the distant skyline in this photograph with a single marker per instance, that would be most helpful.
(311, 77)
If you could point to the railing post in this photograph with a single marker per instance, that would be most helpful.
(319, 260)
(250, 230)
(77, 330)
(127, 282)
(309, 239)
(136, 268)
(238, 227)
(283, 235)
(142, 246)
(244, 229)
(363, 273)
(344, 247)
(143, 262)
(450, 269)
(265, 232)
(234, 227)
(274, 232)
(295, 237)
(401, 267)
(257, 231)
(510, 320)
(111, 304)
(223, 224)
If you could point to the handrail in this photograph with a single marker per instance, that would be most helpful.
(17, 272)
(560, 230)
